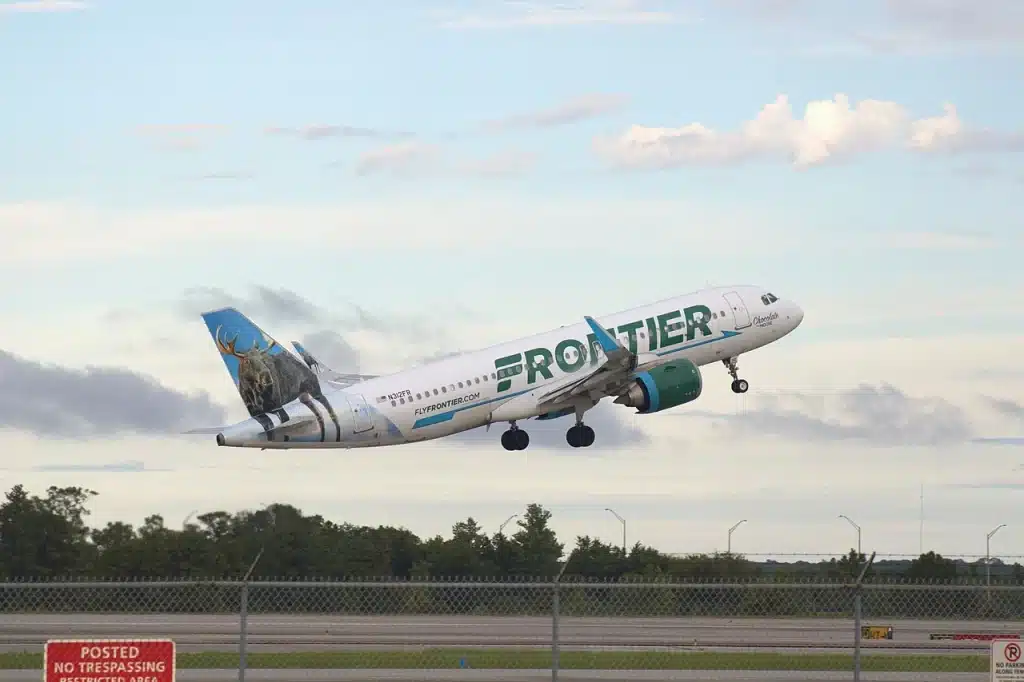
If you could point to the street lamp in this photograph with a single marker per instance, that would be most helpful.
(505, 523)
(623, 522)
(844, 516)
(988, 559)
(729, 544)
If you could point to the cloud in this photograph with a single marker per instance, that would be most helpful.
(572, 110)
(418, 159)
(40, 6)
(133, 466)
(1007, 408)
(97, 402)
(947, 134)
(340, 337)
(550, 13)
(322, 131)
(939, 22)
(403, 158)
(180, 137)
(878, 415)
(331, 349)
(829, 131)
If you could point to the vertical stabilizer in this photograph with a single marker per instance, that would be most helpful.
(266, 375)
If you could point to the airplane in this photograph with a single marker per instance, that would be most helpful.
(647, 358)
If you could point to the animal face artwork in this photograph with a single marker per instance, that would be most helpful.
(267, 380)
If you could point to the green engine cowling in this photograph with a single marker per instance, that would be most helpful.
(664, 387)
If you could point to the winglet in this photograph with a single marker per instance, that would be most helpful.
(607, 341)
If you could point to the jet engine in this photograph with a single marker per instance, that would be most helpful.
(664, 387)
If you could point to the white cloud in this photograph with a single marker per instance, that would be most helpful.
(403, 158)
(572, 110)
(828, 131)
(180, 136)
(40, 6)
(535, 13)
(37, 233)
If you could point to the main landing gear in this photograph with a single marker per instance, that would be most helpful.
(738, 385)
(580, 436)
(515, 438)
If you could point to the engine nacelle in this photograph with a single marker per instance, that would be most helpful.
(664, 387)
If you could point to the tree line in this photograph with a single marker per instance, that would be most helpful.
(47, 537)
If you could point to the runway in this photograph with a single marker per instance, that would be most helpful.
(27, 632)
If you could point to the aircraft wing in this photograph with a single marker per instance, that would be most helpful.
(339, 379)
(610, 377)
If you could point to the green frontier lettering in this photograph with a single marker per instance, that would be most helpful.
(652, 333)
(508, 366)
(537, 362)
(564, 363)
(663, 331)
(630, 330)
(693, 324)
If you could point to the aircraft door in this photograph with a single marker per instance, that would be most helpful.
(739, 310)
(361, 412)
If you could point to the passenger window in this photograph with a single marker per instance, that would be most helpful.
(394, 404)
(402, 400)
(722, 313)
(492, 375)
(418, 395)
(435, 391)
(460, 384)
(478, 380)
(485, 377)
(444, 390)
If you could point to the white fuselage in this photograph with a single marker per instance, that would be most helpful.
(462, 392)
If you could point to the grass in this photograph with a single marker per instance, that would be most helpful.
(503, 659)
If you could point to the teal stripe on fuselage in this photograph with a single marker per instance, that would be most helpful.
(442, 417)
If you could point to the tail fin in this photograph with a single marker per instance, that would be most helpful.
(266, 375)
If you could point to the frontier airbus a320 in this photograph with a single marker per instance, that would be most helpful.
(646, 358)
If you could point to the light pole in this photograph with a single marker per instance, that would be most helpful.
(844, 516)
(504, 523)
(623, 522)
(988, 559)
(729, 543)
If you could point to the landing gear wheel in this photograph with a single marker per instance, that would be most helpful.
(580, 436)
(515, 439)
(738, 385)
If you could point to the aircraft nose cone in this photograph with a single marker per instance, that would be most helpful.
(797, 315)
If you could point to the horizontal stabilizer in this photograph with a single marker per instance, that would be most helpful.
(336, 378)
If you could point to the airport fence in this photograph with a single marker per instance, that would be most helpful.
(542, 626)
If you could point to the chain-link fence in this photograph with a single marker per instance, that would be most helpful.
(540, 626)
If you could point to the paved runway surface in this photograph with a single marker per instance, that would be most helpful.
(533, 676)
(23, 632)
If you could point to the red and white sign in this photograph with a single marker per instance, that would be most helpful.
(108, 660)
(1007, 665)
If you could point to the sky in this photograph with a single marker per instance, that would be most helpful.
(393, 181)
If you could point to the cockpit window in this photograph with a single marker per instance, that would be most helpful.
(772, 297)
(769, 298)
(764, 299)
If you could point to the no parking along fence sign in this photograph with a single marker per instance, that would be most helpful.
(1007, 665)
(108, 660)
